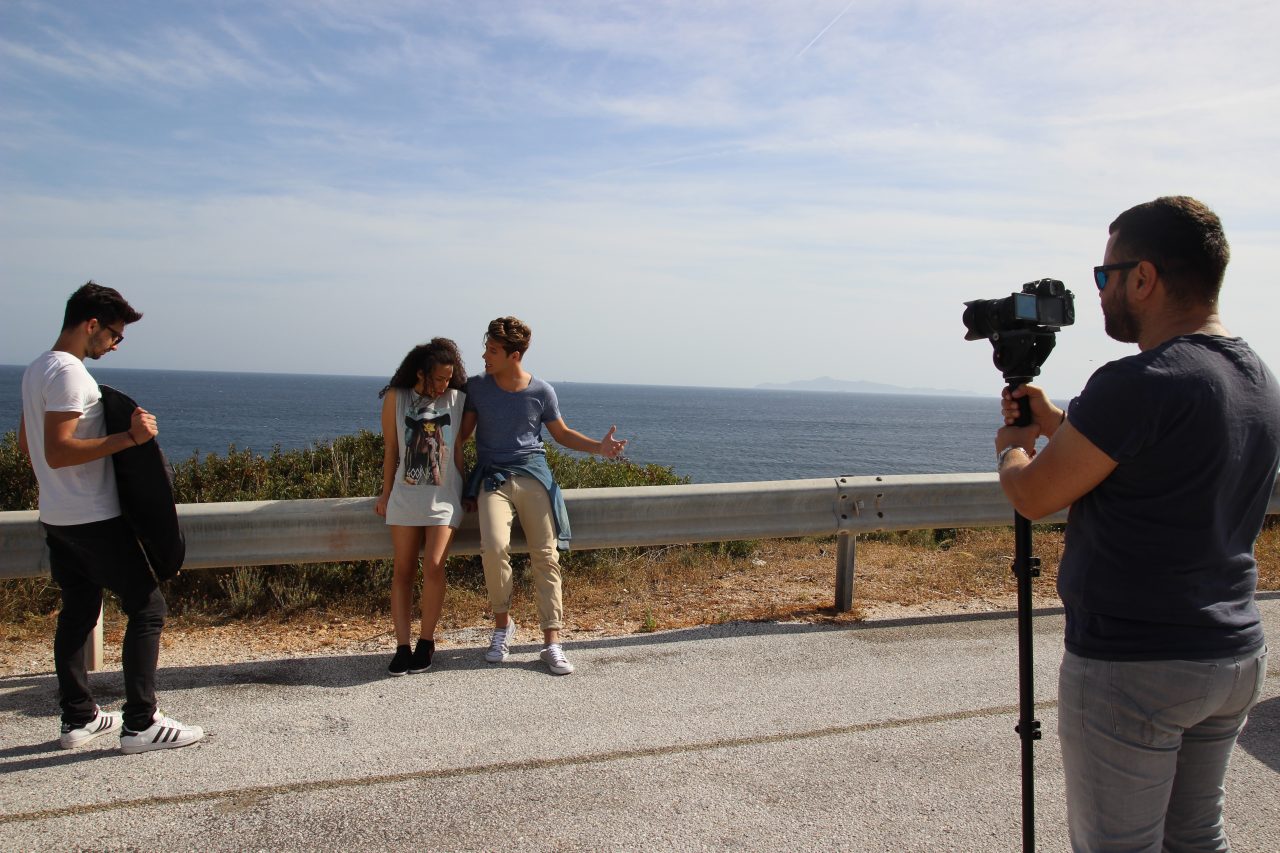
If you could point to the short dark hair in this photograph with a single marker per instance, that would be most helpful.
(427, 357)
(1184, 239)
(94, 302)
(511, 333)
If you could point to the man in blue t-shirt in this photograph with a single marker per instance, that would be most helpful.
(507, 408)
(1167, 459)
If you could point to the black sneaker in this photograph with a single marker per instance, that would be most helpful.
(400, 663)
(421, 661)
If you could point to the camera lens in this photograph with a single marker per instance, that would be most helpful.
(981, 318)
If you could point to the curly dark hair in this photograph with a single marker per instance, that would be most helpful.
(426, 357)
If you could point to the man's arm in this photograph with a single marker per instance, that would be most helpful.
(22, 435)
(62, 449)
(1039, 484)
(608, 447)
(465, 428)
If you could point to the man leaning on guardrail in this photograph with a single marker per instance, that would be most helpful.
(1167, 459)
(507, 408)
(91, 547)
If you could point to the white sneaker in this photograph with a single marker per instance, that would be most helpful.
(500, 642)
(163, 733)
(101, 724)
(553, 657)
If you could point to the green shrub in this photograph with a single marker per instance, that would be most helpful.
(17, 480)
(738, 548)
(575, 471)
(350, 466)
(939, 539)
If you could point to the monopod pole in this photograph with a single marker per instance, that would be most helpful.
(1026, 567)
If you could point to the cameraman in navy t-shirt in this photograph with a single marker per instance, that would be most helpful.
(1167, 459)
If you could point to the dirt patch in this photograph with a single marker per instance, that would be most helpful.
(922, 573)
(623, 592)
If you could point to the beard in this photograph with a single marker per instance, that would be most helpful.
(1120, 323)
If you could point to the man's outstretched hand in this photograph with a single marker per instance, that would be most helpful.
(610, 447)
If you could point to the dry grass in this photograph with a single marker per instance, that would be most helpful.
(626, 592)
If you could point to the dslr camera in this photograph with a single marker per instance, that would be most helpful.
(1022, 328)
(1044, 305)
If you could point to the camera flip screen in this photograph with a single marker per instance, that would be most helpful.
(1024, 307)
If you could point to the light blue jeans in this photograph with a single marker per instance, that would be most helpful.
(1145, 748)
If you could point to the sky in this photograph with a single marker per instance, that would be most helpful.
(672, 193)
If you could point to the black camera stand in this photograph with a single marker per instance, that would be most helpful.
(1035, 346)
(1022, 329)
(1019, 355)
(1026, 567)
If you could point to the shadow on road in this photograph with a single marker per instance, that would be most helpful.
(1261, 736)
(36, 695)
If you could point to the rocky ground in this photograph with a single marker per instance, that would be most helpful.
(782, 580)
(628, 592)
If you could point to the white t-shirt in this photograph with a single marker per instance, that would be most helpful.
(76, 494)
(427, 491)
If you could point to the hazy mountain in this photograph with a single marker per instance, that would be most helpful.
(856, 386)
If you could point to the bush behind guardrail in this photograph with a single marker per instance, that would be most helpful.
(349, 466)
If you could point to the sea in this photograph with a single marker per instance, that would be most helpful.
(710, 435)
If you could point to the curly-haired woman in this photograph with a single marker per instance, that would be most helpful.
(421, 495)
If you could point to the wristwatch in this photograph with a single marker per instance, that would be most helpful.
(1000, 457)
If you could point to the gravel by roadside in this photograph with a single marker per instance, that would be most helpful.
(189, 643)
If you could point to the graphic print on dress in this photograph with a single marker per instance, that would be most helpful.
(425, 443)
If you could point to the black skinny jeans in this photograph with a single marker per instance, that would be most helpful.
(84, 559)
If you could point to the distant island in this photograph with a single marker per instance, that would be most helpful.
(856, 386)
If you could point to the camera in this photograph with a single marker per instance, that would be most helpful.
(1044, 305)
(1022, 327)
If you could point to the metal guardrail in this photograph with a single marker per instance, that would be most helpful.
(251, 533)
(264, 533)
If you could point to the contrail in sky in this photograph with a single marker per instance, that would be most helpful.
(824, 29)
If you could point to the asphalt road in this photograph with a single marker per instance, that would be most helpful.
(887, 736)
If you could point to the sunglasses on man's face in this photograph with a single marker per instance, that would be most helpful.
(1102, 273)
(116, 337)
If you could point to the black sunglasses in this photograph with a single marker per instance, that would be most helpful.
(116, 337)
(1100, 273)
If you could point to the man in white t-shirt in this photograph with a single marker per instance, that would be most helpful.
(91, 547)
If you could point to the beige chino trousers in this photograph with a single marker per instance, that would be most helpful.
(524, 498)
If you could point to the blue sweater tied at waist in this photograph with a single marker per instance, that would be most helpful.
(493, 475)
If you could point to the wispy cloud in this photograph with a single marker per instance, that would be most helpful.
(484, 155)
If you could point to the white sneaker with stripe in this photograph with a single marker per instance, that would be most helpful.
(102, 724)
(163, 733)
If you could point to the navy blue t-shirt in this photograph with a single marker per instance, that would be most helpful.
(509, 424)
(1159, 558)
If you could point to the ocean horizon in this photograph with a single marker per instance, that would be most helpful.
(706, 433)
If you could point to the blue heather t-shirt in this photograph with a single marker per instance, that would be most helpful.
(509, 424)
(1159, 561)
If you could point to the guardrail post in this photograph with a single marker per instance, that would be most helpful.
(846, 546)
